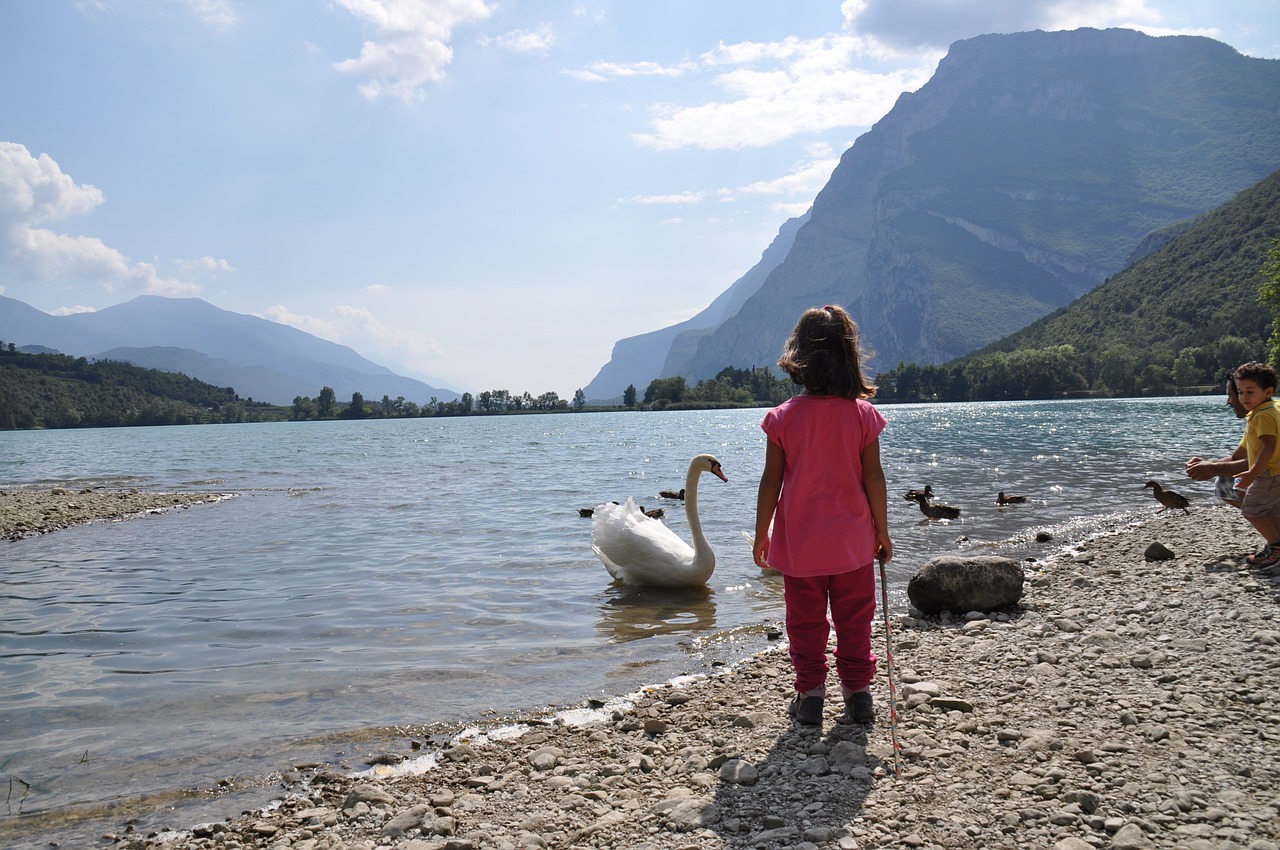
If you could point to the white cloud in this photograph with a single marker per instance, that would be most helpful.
(806, 178)
(71, 311)
(539, 40)
(791, 210)
(411, 46)
(685, 197)
(377, 289)
(779, 90)
(35, 192)
(206, 263)
(908, 24)
(316, 327)
(216, 14)
(603, 70)
(359, 328)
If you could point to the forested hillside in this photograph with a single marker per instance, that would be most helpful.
(59, 391)
(1177, 318)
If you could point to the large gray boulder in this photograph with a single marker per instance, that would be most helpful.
(962, 584)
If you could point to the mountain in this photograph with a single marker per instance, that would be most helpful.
(1026, 171)
(260, 359)
(664, 353)
(1199, 288)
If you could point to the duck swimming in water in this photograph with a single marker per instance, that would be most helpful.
(1002, 499)
(935, 511)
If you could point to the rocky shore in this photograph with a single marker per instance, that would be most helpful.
(1125, 703)
(28, 512)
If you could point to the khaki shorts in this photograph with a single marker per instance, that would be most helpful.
(1262, 499)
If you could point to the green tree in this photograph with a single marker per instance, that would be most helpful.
(325, 402)
(1118, 369)
(303, 407)
(355, 410)
(1189, 368)
(1269, 297)
(1229, 352)
(666, 389)
(579, 399)
(629, 396)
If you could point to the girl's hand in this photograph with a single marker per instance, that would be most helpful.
(884, 546)
(1243, 482)
(761, 552)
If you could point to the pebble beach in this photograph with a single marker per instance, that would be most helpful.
(28, 512)
(1124, 703)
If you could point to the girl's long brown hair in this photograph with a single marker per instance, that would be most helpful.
(822, 355)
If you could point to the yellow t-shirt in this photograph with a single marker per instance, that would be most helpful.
(1261, 421)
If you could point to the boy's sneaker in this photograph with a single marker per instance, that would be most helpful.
(806, 710)
(1269, 555)
(859, 709)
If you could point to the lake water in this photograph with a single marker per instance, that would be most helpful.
(368, 577)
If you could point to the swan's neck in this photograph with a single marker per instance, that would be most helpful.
(701, 549)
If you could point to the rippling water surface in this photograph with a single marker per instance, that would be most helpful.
(370, 575)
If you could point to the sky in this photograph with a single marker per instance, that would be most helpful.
(484, 194)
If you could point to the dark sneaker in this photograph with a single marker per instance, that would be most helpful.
(858, 708)
(1268, 556)
(806, 710)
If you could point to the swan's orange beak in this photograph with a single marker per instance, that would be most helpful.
(718, 473)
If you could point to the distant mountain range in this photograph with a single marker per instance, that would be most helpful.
(1027, 171)
(639, 359)
(260, 359)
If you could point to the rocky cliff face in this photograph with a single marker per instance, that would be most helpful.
(1023, 174)
(637, 360)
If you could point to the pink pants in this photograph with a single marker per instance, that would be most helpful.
(852, 599)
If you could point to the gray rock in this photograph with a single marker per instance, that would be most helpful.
(1130, 837)
(958, 583)
(1159, 552)
(369, 795)
(405, 821)
(739, 772)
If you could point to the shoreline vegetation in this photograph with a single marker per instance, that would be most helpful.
(1124, 703)
(53, 391)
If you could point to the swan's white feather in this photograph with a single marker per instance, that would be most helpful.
(638, 550)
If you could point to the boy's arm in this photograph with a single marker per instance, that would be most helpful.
(767, 501)
(1200, 469)
(1266, 448)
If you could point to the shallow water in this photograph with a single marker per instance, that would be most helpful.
(374, 575)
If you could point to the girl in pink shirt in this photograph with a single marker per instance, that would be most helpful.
(823, 492)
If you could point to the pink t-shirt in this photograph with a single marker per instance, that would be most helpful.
(823, 524)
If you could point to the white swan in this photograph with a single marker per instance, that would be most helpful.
(637, 550)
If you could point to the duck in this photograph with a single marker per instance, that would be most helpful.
(1002, 499)
(640, 551)
(653, 513)
(1168, 498)
(933, 511)
(587, 512)
(927, 492)
(678, 495)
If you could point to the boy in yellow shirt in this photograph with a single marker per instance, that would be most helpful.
(1256, 384)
